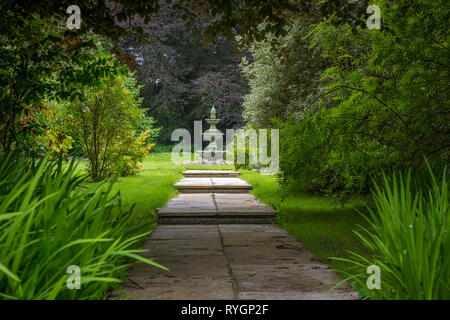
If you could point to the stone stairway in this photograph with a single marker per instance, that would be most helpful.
(212, 197)
(220, 245)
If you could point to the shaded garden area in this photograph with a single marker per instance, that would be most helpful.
(87, 113)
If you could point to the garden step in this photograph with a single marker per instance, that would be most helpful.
(241, 204)
(207, 220)
(217, 185)
(210, 173)
(208, 208)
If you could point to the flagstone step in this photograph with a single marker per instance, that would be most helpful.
(210, 173)
(209, 208)
(215, 220)
(216, 185)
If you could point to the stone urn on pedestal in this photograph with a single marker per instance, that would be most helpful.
(214, 151)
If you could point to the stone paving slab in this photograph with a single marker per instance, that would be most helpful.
(259, 228)
(210, 173)
(230, 183)
(185, 247)
(246, 204)
(195, 205)
(180, 289)
(209, 262)
(194, 183)
(297, 296)
(228, 219)
(187, 204)
(207, 162)
(204, 185)
(179, 232)
(258, 238)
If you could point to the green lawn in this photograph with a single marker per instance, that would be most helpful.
(151, 188)
(322, 224)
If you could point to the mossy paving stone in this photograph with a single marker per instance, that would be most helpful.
(172, 232)
(196, 205)
(167, 288)
(242, 204)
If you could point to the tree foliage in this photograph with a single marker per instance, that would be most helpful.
(284, 82)
(381, 103)
(183, 78)
(105, 122)
(40, 56)
(38, 61)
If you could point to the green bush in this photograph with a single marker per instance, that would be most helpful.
(318, 156)
(409, 240)
(112, 132)
(129, 153)
(251, 150)
(351, 102)
(51, 219)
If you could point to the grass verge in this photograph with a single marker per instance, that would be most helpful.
(150, 189)
(323, 225)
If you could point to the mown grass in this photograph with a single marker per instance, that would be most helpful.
(323, 225)
(150, 189)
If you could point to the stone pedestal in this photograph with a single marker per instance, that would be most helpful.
(213, 154)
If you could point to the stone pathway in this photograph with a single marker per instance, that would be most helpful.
(229, 260)
(214, 197)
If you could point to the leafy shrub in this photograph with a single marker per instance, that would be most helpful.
(245, 150)
(360, 101)
(57, 142)
(250, 151)
(409, 239)
(106, 122)
(320, 155)
(129, 153)
(51, 219)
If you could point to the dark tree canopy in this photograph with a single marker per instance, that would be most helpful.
(183, 78)
(224, 18)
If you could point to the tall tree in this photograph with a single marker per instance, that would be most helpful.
(182, 77)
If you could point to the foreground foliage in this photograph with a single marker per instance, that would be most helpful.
(105, 124)
(50, 220)
(408, 238)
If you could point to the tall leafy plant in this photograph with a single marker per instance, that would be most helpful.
(105, 122)
(51, 219)
(408, 236)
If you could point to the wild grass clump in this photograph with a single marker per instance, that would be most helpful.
(408, 237)
(50, 219)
